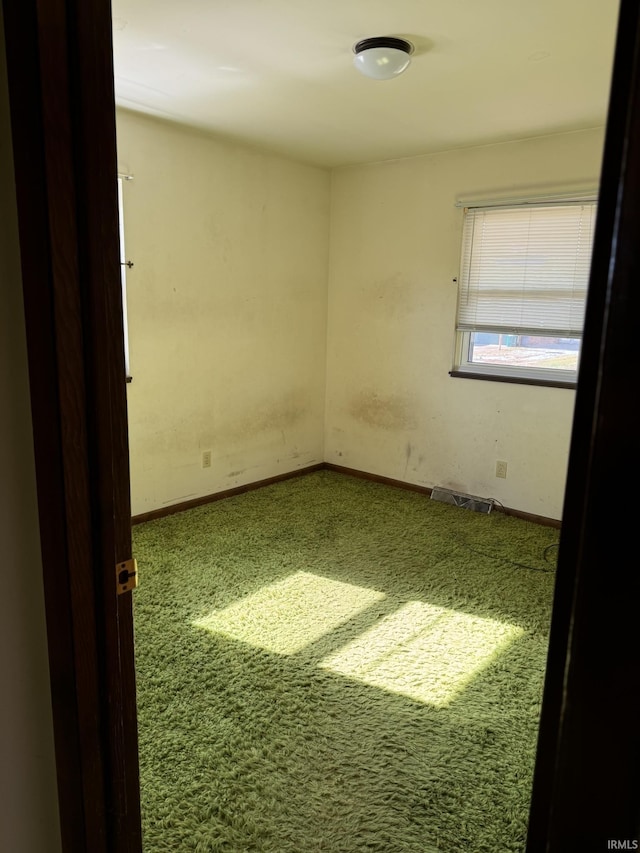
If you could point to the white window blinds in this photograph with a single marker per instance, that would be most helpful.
(525, 269)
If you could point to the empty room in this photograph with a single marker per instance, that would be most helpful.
(356, 241)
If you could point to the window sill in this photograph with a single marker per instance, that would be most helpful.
(517, 380)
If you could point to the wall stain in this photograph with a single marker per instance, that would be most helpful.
(407, 456)
(391, 413)
(394, 295)
(269, 416)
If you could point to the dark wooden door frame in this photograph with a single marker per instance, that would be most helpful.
(59, 57)
(60, 70)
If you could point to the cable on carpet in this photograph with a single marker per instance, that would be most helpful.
(545, 552)
(500, 559)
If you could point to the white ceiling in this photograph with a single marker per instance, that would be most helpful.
(279, 74)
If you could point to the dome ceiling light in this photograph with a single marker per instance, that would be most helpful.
(382, 57)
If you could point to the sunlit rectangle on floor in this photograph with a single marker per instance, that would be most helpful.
(288, 615)
(425, 652)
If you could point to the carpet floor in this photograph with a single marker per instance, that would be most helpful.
(330, 665)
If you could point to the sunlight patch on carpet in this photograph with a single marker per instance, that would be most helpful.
(424, 652)
(286, 616)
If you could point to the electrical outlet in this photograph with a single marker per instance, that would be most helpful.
(206, 459)
(501, 469)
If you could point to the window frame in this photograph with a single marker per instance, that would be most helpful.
(463, 367)
(466, 369)
(124, 265)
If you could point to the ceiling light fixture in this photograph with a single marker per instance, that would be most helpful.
(382, 57)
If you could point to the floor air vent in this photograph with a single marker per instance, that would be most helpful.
(448, 496)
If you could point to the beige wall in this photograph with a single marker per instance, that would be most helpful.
(392, 408)
(229, 328)
(227, 311)
(28, 796)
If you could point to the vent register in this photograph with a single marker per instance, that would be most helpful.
(472, 502)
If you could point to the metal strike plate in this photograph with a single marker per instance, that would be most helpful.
(126, 576)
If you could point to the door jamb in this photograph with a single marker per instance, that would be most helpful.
(60, 72)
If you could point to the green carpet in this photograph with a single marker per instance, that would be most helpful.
(333, 665)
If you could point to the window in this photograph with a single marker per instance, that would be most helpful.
(522, 290)
(124, 264)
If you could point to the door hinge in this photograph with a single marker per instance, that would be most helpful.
(126, 576)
